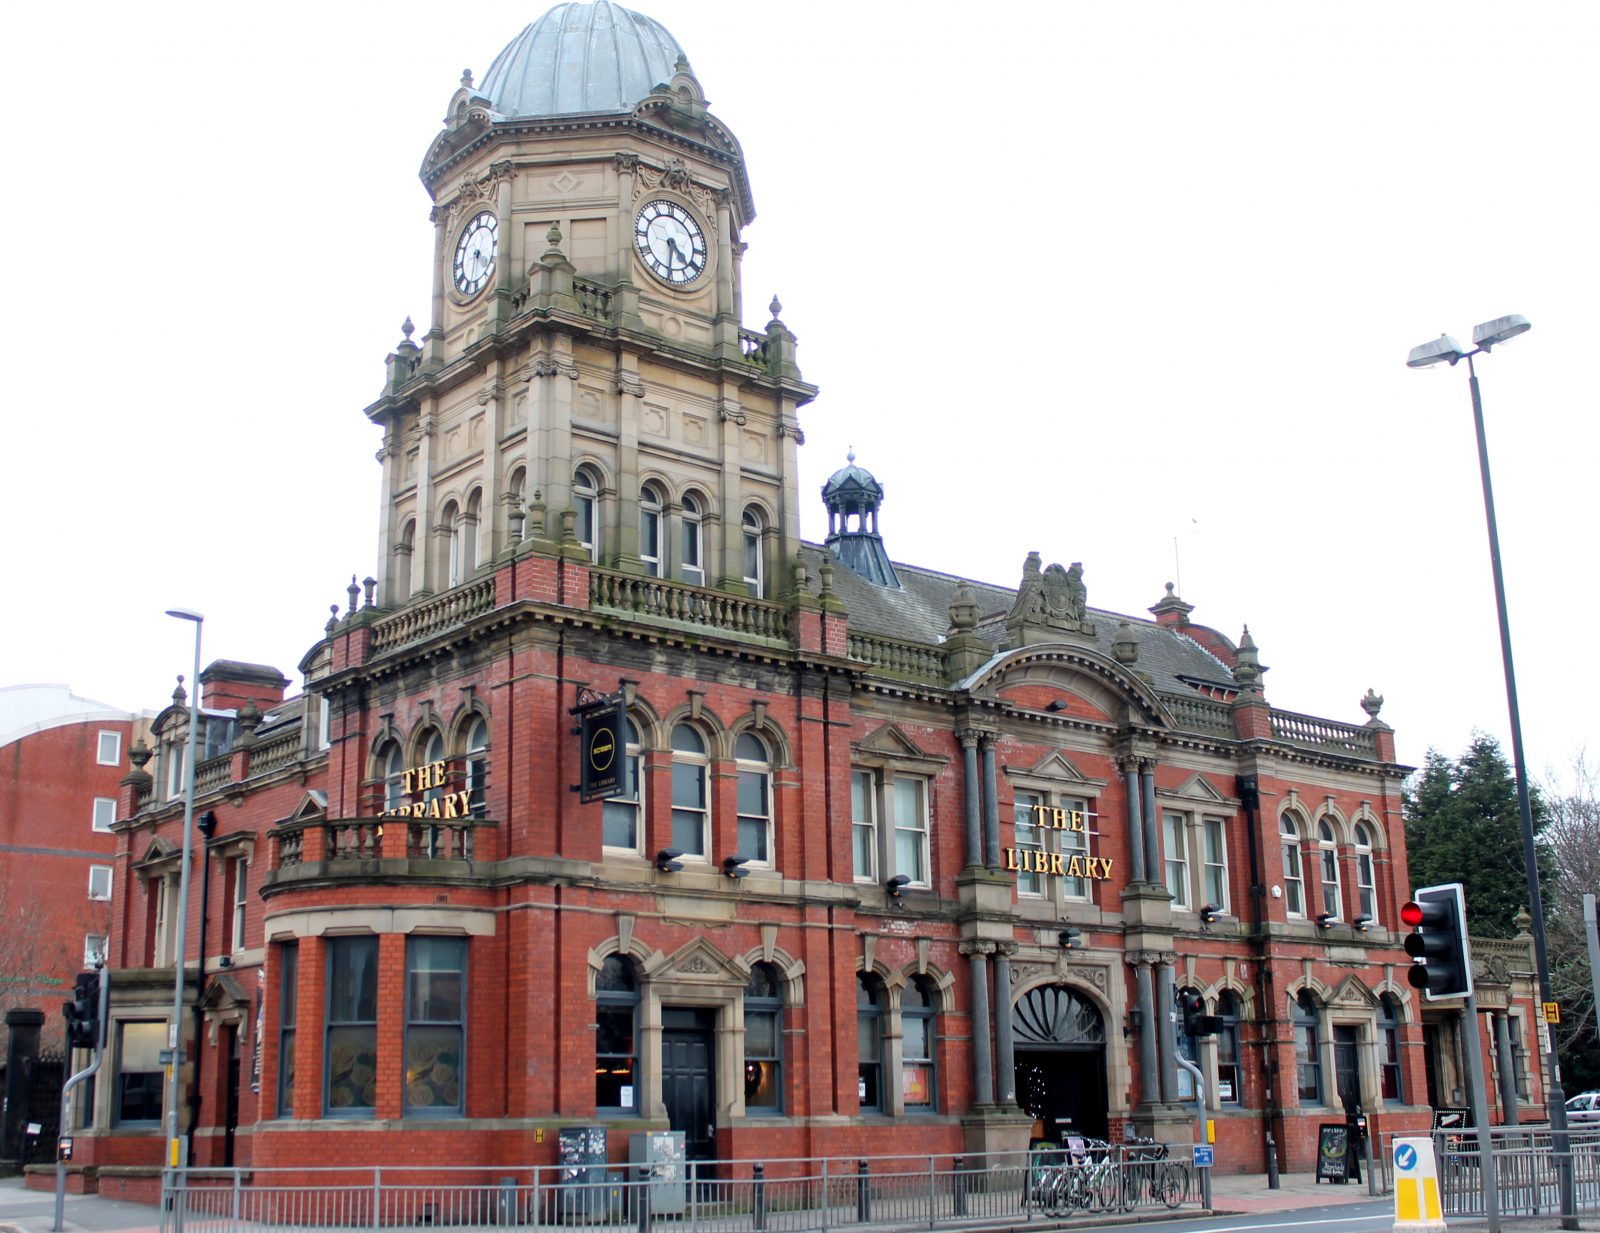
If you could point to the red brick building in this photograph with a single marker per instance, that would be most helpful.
(61, 757)
(893, 861)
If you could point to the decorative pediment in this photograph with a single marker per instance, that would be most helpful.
(890, 742)
(313, 805)
(158, 858)
(224, 993)
(698, 962)
(1198, 788)
(1059, 769)
(1352, 994)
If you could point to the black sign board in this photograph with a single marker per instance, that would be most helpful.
(1452, 1123)
(1333, 1152)
(602, 753)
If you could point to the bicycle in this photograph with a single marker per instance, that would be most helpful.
(1148, 1173)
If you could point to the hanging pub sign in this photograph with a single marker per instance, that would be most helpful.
(600, 746)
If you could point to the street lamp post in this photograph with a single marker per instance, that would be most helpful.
(175, 1155)
(1446, 349)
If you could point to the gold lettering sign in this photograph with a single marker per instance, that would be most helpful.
(429, 777)
(1059, 864)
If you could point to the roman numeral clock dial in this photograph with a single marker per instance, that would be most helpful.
(475, 249)
(670, 242)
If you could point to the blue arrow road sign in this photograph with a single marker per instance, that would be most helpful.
(1405, 1157)
(1204, 1156)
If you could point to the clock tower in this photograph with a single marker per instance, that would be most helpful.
(585, 350)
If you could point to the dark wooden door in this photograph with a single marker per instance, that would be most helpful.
(1347, 1067)
(231, 1113)
(688, 1086)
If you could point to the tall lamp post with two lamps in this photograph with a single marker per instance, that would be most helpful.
(175, 1155)
(1445, 349)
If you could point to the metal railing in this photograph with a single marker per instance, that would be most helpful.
(1526, 1171)
(773, 1196)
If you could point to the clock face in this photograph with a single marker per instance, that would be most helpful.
(475, 251)
(670, 242)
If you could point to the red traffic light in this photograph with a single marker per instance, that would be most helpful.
(1411, 914)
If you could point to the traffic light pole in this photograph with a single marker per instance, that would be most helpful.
(1554, 1095)
(66, 1100)
(1487, 1173)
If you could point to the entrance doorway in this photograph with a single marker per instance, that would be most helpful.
(1060, 1043)
(688, 1078)
(1346, 1067)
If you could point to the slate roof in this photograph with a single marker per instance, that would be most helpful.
(919, 611)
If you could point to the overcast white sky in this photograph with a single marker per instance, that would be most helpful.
(1080, 278)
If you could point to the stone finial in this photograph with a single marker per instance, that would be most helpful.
(466, 78)
(825, 573)
(407, 329)
(249, 721)
(516, 516)
(775, 308)
(354, 592)
(963, 607)
(536, 512)
(1247, 664)
(1171, 610)
(180, 696)
(333, 619)
(369, 588)
(553, 239)
(1125, 650)
(1372, 703)
(1523, 921)
(569, 526)
(139, 754)
(800, 578)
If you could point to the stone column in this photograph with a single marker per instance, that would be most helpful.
(1130, 785)
(969, 769)
(1168, 1035)
(1149, 1066)
(1154, 869)
(1005, 1056)
(729, 572)
(389, 525)
(991, 809)
(982, 1032)
(1506, 1066)
(629, 388)
(433, 343)
(491, 512)
(506, 262)
(424, 562)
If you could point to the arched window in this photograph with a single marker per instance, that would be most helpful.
(1230, 1075)
(754, 567)
(755, 799)
(691, 806)
(616, 1049)
(1328, 869)
(516, 500)
(426, 843)
(650, 529)
(919, 1009)
(1366, 881)
(471, 530)
(586, 503)
(402, 562)
(477, 752)
(691, 541)
(1294, 878)
(394, 765)
(620, 817)
(1307, 1049)
(869, 1041)
(1389, 1081)
(763, 1041)
(450, 529)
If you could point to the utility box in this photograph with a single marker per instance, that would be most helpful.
(581, 1195)
(661, 1152)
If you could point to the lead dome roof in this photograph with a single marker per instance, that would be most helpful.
(581, 57)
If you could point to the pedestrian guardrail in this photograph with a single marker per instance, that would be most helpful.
(1527, 1171)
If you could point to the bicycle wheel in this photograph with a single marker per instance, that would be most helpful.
(1171, 1184)
(1106, 1193)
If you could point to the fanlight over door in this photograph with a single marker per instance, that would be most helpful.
(1054, 1016)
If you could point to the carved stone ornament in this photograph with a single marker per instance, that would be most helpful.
(627, 383)
(675, 176)
(549, 366)
(727, 409)
(696, 965)
(1052, 598)
(1022, 973)
(625, 164)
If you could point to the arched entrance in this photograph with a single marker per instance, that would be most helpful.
(1059, 1037)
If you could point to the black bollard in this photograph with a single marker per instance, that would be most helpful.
(758, 1207)
(863, 1194)
(958, 1187)
(642, 1198)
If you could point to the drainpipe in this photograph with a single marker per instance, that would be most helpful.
(1250, 797)
(207, 825)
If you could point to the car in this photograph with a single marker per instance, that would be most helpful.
(1584, 1108)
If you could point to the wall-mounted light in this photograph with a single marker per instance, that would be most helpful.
(734, 866)
(1070, 938)
(1133, 1023)
(1363, 922)
(1056, 705)
(1326, 920)
(1210, 914)
(897, 884)
(667, 860)
(206, 823)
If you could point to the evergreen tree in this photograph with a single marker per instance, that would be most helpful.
(1463, 825)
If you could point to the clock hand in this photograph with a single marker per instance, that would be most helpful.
(676, 251)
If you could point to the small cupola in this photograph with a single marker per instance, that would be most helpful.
(852, 496)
